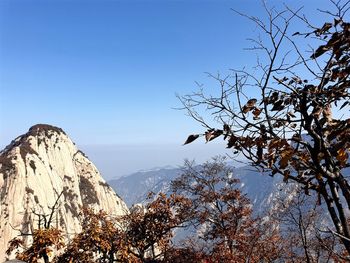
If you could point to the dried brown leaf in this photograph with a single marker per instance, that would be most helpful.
(191, 138)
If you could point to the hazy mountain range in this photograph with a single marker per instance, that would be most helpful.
(259, 187)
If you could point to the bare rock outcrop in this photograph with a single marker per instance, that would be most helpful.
(34, 169)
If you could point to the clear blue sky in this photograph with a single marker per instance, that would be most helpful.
(107, 71)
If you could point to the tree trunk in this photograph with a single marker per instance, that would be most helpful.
(345, 188)
(46, 258)
(337, 223)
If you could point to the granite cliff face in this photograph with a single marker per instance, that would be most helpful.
(34, 169)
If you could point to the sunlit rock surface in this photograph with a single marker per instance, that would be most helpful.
(34, 169)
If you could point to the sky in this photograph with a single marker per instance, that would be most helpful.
(107, 71)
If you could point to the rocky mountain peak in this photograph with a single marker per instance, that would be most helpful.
(37, 131)
(34, 169)
(25, 144)
(44, 128)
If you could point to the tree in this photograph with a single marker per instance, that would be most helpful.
(101, 240)
(222, 216)
(46, 238)
(289, 129)
(304, 229)
(143, 235)
(149, 229)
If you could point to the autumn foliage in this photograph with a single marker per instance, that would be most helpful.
(216, 217)
(45, 242)
(100, 240)
(298, 126)
(222, 216)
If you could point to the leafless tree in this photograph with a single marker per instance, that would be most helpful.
(303, 225)
(45, 237)
(289, 128)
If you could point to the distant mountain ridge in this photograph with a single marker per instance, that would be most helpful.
(34, 169)
(135, 187)
(261, 188)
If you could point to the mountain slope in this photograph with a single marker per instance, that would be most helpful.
(34, 169)
(259, 187)
(134, 188)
